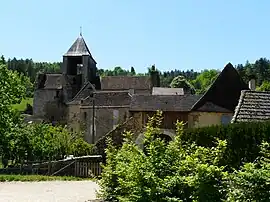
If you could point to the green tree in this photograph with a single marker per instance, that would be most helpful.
(264, 87)
(12, 90)
(2, 60)
(181, 82)
(132, 71)
(204, 80)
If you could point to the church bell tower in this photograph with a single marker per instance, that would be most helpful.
(79, 67)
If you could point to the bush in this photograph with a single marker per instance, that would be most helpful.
(43, 142)
(182, 170)
(243, 139)
(163, 172)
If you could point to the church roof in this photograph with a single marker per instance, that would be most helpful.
(79, 48)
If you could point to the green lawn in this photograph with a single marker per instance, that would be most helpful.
(30, 178)
(22, 105)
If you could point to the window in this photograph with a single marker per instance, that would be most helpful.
(85, 115)
(57, 94)
(226, 119)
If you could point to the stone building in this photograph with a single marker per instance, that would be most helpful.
(78, 94)
(53, 91)
(98, 106)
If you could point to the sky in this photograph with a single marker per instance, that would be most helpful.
(172, 34)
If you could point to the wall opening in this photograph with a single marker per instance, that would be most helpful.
(164, 137)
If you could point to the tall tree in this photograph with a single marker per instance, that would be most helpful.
(12, 91)
(132, 71)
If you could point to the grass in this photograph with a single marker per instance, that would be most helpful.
(22, 105)
(36, 178)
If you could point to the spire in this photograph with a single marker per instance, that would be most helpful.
(80, 30)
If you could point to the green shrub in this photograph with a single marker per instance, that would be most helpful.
(192, 167)
(163, 172)
(243, 140)
(43, 142)
(81, 148)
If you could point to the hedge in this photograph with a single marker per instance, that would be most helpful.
(243, 140)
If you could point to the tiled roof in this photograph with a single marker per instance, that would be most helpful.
(84, 93)
(163, 102)
(252, 106)
(109, 98)
(125, 82)
(167, 91)
(79, 48)
(225, 90)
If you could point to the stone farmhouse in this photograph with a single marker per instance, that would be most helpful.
(102, 106)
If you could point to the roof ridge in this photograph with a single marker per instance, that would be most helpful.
(227, 66)
(237, 108)
(85, 85)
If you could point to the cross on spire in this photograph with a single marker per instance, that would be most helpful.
(80, 30)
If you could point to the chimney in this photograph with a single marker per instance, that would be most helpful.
(252, 83)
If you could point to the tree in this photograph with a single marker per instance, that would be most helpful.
(2, 60)
(12, 90)
(181, 82)
(264, 87)
(132, 71)
(204, 80)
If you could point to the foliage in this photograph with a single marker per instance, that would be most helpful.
(43, 142)
(81, 148)
(12, 91)
(163, 172)
(181, 82)
(252, 181)
(200, 80)
(35, 178)
(264, 87)
(22, 105)
(204, 80)
(183, 170)
(243, 140)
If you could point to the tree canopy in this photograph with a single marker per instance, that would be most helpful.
(181, 82)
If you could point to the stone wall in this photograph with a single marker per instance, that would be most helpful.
(41, 97)
(116, 134)
(107, 118)
(74, 117)
(48, 105)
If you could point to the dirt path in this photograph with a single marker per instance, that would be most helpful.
(49, 191)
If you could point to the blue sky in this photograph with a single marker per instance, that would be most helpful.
(172, 34)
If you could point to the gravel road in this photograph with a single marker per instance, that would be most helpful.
(49, 191)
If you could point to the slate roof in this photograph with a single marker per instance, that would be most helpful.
(252, 106)
(79, 48)
(125, 82)
(84, 93)
(53, 81)
(181, 103)
(224, 92)
(167, 91)
(109, 98)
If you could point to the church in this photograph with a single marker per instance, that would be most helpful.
(68, 98)
(99, 106)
